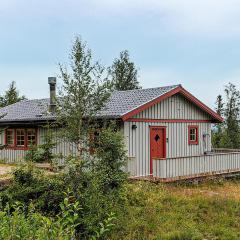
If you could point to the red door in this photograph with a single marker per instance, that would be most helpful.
(157, 144)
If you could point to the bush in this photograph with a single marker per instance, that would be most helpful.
(35, 154)
(25, 174)
(43, 152)
(16, 223)
(30, 185)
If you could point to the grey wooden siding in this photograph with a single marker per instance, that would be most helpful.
(138, 143)
(175, 107)
(196, 165)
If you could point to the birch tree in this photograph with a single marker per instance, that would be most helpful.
(82, 95)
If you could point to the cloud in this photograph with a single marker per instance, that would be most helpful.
(207, 18)
(211, 18)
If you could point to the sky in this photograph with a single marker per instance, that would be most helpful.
(193, 43)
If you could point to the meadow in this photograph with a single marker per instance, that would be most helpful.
(209, 210)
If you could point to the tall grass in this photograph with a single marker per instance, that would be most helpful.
(158, 212)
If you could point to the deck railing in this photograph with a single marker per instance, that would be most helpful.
(195, 166)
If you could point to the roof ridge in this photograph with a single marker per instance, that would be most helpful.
(142, 89)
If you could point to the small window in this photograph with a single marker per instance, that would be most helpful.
(10, 137)
(31, 137)
(20, 137)
(193, 135)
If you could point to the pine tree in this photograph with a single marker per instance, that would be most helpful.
(123, 73)
(11, 96)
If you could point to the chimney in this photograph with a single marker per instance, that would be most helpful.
(52, 83)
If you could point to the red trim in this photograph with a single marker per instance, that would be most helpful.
(197, 133)
(15, 147)
(167, 120)
(185, 93)
(149, 104)
(6, 137)
(164, 144)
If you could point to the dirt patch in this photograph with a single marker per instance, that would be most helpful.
(5, 169)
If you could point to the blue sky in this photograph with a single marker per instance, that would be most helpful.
(195, 43)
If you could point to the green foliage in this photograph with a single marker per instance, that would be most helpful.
(96, 184)
(111, 159)
(84, 92)
(11, 96)
(43, 152)
(25, 174)
(155, 211)
(227, 134)
(123, 73)
(105, 227)
(15, 224)
(31, 186)
(96, 181)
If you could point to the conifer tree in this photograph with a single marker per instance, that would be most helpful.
(11, 96)
(232, 114)
(218, 128)
(123, 73)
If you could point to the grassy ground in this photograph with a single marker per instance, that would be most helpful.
(7, 169)
(210, 210)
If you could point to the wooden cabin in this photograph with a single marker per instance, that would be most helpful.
(167, 132)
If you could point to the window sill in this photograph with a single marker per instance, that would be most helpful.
(193, 143)
(17, 148)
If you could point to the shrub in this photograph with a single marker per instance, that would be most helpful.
(30, 185)
(16, 223)
(43, 152)
(25, 174)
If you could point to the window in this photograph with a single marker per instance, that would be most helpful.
(21, 138)
(31, 137)
(192, 135)
(10, 137)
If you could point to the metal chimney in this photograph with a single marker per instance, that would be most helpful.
(52, 84)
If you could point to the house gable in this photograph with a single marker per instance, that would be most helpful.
(174, 107)
(180, 90)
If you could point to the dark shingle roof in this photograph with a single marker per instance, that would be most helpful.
(120, 103)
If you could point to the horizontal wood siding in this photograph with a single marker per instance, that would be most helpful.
(138, 143)
(196, 165)
(175, 107)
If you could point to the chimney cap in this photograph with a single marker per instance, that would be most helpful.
(52, 80)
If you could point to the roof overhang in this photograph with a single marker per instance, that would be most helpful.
(215, 117)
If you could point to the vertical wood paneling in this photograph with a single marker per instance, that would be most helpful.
(175, 107)
(177, 145)
(197, 165)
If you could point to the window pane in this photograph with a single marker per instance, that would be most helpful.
(193, 134)
(31, 137)
(20, 137)
(10, 137)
